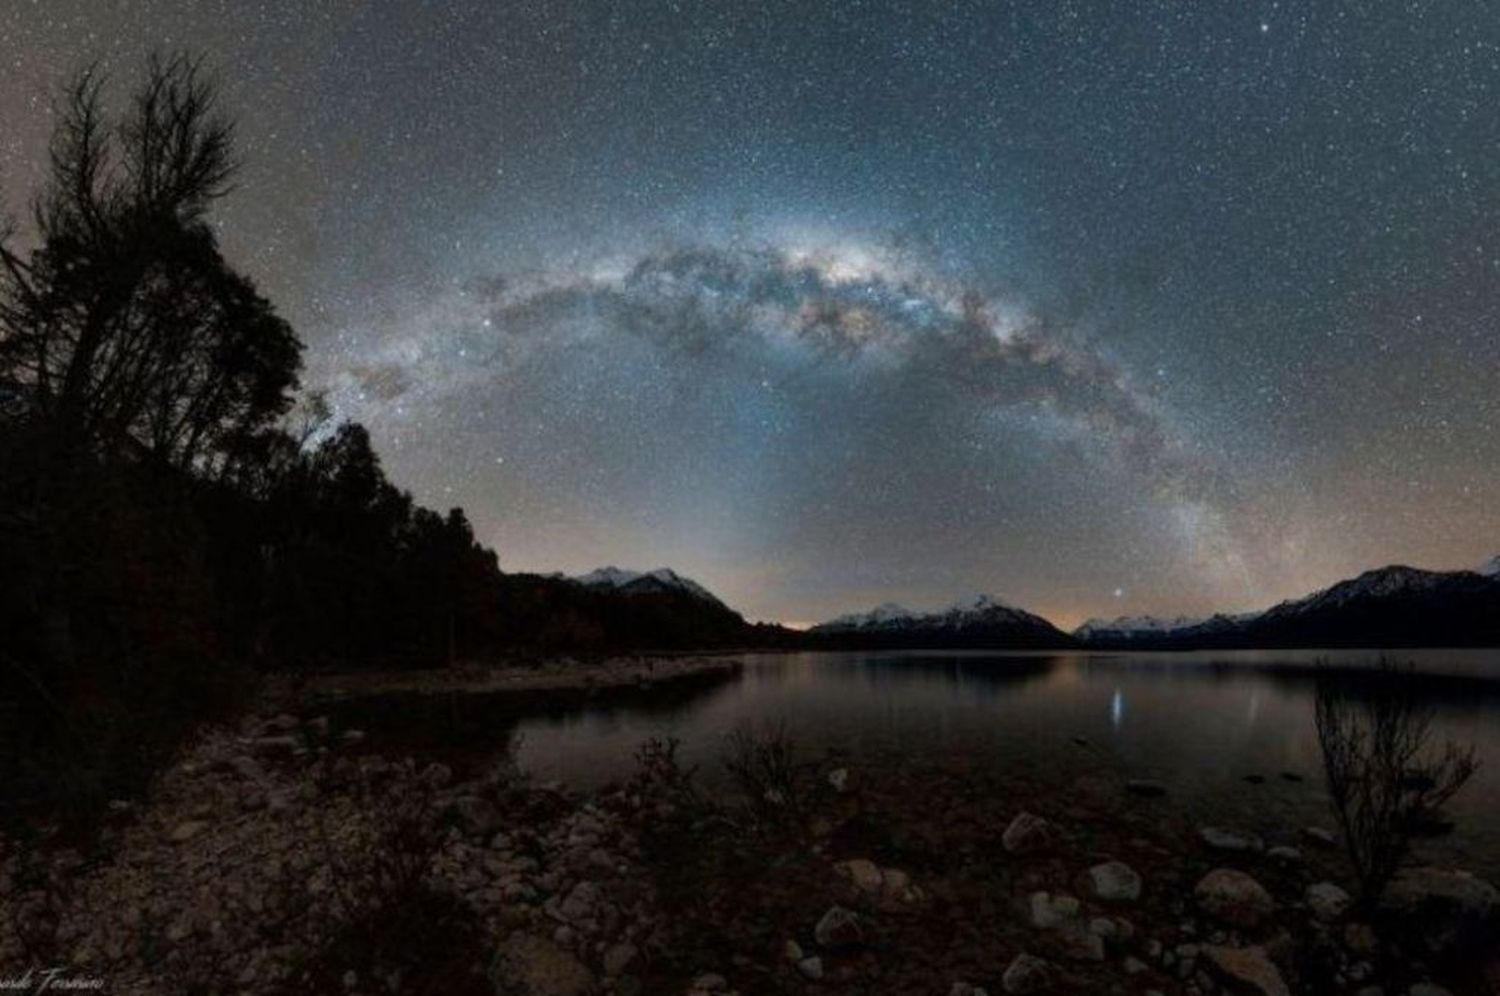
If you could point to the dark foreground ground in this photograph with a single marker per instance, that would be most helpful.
(295, 853)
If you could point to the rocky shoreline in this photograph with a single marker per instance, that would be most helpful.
(291, 854)
(539, 677)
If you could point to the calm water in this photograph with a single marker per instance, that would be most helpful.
(1198, 722)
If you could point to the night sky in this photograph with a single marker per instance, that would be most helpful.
(1171, 309)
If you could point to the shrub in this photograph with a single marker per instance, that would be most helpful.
(1375, 737)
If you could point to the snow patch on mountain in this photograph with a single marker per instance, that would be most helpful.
(1380, 583)
(893, 616)
(1130, 625)
(1491, 568)
(662, 578)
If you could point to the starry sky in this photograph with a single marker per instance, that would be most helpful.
(1101, 308)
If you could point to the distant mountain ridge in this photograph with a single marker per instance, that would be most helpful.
(662, 579)
(981, 622)
(1395, 606)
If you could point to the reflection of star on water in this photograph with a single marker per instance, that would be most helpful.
(1117, 709)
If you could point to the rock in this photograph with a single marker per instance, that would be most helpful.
(1246, 970)
(1027, 974)
(247, 768)
(475, 816)
(839, 779)
(865, 875)
(1360, 938)
(811, 968)
(277, 746)
(1318, 835)
(838, 928)
(186, 831)
(792, 951)
(531, 964)
(1234, 897)
(1029, 834)
(1327, 901)
(619, 957)
(711, 982)
(1229, 840)
(318, 727)
(1048, 911)
(1133, 965)
(580, 902)
(1075, 941)
(1448, 910)
(1115, 881)
(1286, 855)
(896, 887)
(1145, 788)
(1427, 989)
(280, 723)
(352, 737)
(965, 989)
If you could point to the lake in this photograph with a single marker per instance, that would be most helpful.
(1198, 722)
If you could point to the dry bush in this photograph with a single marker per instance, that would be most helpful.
(1382, 773)
(777, 788)
(390, 920)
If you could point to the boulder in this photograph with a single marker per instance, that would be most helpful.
(1114, 881)
(580, 902)
(838, 928)
(865, 874)
(186, 831)
(1245, 970)
(1320, 836)
(1450, 911)
(811, 968)
(1327, 901)
(1076, 941)
(280, 744)
(1047, 910)
(1027, 974)
(1230, 840)
(475, 816)
(530, 964)
(1029, 834)
(1234, 897)
(619, 957)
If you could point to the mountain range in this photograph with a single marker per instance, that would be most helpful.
(982, 621)
(1389, 607)
(1392, 606)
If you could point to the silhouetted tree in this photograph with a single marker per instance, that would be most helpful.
(125, 328)
(1375, 737)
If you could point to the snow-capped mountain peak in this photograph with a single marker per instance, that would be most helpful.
(1136, 624)
(1379, 583)
(1491, 568)
(661, 577)
(883, 614)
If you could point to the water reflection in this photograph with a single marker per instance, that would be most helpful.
(1201, 723)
